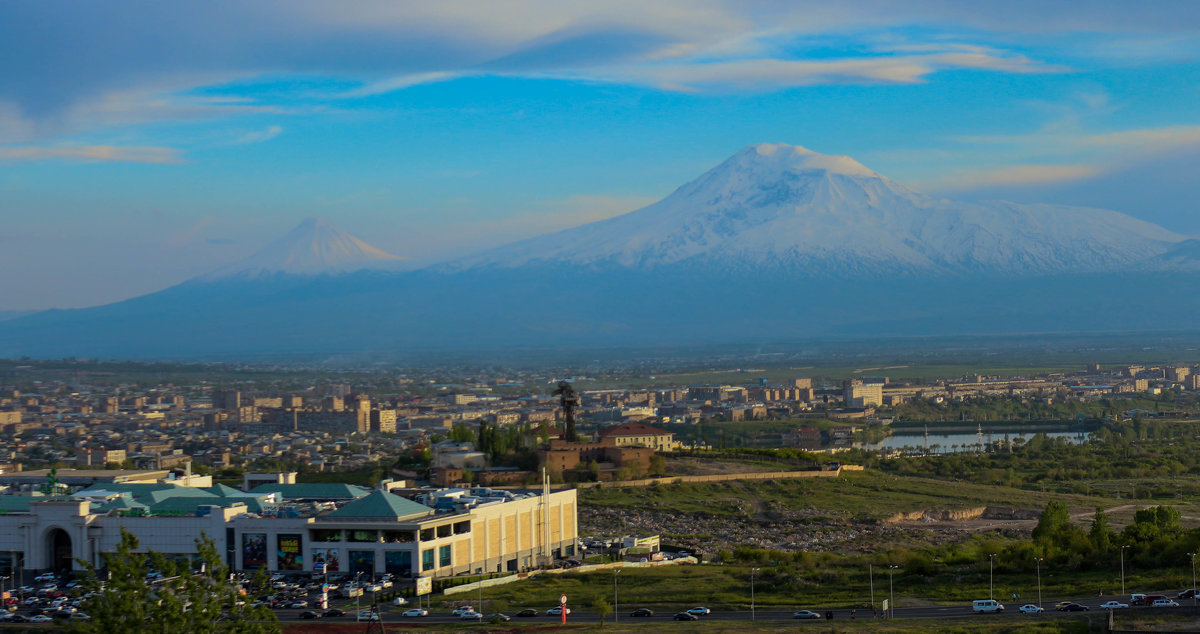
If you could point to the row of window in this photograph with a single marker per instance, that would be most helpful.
(325, 535)
(444, 558)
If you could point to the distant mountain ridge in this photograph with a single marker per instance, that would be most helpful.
(775, 243)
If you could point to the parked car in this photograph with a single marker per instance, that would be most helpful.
(1030, 608)
(1075, 607)
(416, 612)
(987, 606)
(40, 618)
(527, 612)
(642, 612)
(699, 611)
(684, 616)
(46, 576)
(1113, 605)
(806, 615)
(1164, 603)
(557, 610)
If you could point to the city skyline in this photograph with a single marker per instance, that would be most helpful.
(148, 146)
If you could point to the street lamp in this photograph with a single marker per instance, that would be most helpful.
(891, 594)
(991, 575)
(1123, 568)
(752, 571)
(1039, 561)
(616, 606)
(871, 576)
(1193, 557)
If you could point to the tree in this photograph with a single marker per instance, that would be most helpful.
(658, 465)
(197, 599)
(1054, 519)
(602, 608)
(1100, 536)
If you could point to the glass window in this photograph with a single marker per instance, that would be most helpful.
(427, 560)
(462, 527)
(444, 530)
(395, 537)
(363, 536)
(444, 557)
(426, 534)
(326, 535)
(398, 562)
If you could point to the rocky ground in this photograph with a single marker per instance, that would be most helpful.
(789, 530)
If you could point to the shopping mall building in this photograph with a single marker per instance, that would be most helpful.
(285, 526)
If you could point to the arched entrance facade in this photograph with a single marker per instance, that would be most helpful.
(59, 553)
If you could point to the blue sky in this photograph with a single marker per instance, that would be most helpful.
(143, 144)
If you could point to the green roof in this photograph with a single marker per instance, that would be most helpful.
(16, 503)
(189, 505)
(152, 494)
(313, 491)
(223, 490)
(380, 505)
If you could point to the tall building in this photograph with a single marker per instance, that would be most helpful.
(858, 394)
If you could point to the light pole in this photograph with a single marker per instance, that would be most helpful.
(752, 571)
(891, 594)
(1123, 568)
(991, 575)
(1193, 557)
(357, 597)
(871, 576)
(1039, 574)
(616, 605)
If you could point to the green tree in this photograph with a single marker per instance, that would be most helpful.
(1054, 519)
(190, 599)
(602, 608)
(1099, 535)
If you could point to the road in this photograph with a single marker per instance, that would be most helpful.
(391, 614)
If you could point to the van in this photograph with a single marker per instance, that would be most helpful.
(984, 606)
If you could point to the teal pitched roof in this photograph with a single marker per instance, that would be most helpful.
(380, 505)
(313, 491)
(223, 490)
(189, 505)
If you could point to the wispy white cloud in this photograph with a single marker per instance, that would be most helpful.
(91, 154)
(401, 82)
(259, 136)
(1011, 175)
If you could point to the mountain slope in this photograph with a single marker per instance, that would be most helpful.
(314, 247)
(785, 207)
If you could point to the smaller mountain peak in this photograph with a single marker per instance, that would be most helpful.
(798, 158)
(314, 247)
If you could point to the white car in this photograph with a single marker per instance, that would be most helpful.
(461, 610)
(40, 618)
(699, 611)
(557, 610)
(415, 612)
(1164, 603)
(471, 616)
(48, 576)
(367, 615)
(1113, 605)
(1030, 608)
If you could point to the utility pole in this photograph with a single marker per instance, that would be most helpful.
(871, 576)
(616, 606)
(891, 593)
(1193, 557)
(1039, 575)
(991, 575)
(752, 571)
(1123, 568)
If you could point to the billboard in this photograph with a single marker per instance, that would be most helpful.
(424, 585)
(254, 550)
(289, 553)
(325, 560)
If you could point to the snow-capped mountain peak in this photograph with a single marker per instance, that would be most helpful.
(784, 207)
(314, 247)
